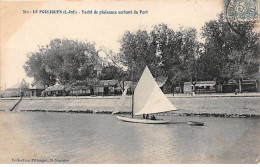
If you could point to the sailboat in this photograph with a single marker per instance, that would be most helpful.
(148, 99)
(121, 102)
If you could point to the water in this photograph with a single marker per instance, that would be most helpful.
(101, 138)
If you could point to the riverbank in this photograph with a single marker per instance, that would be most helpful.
(178, 95)
(12, 145)
(244, 105)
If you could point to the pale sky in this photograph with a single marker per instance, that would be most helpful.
(104, 30)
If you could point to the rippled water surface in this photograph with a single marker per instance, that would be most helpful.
(101, 138)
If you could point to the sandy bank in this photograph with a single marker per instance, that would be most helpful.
(222, 106)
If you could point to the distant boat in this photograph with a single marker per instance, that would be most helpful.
(121, 102)
(195, 123)
(147, 99)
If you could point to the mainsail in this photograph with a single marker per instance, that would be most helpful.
(121, 102)
(148, 97)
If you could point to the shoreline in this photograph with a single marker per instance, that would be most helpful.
(255, 116)
(244, 105)
(178, 95)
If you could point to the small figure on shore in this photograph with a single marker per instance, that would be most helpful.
(143, 115)
(236, 92)
(153, 117)
(147, 116)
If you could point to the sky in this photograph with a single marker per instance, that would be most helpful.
(23, 33)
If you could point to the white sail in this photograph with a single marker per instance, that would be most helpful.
(148, 97)
(121, 102)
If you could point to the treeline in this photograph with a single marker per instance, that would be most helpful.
(225, 51)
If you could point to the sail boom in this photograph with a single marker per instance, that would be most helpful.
(148, 112)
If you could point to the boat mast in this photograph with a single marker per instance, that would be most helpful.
(132, 113)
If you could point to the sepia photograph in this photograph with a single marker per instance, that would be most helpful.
(129, 82)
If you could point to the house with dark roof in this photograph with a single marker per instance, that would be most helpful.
(55, 90)
(123, 84)
(80, 91)
(36, 90)
(200, 87)
(246, 86)
(105, 87)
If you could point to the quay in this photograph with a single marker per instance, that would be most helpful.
(243, 105)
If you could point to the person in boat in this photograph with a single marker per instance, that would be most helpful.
(147, 116)
(153, 117)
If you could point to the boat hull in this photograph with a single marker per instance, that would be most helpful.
(196, 123)
(143, 121)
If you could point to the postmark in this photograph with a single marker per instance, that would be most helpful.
(241, 10)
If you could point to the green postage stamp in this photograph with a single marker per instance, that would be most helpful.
(241, 10)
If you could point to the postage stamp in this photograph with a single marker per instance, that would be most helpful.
(241, 10)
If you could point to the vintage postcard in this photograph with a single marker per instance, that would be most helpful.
(130, 82)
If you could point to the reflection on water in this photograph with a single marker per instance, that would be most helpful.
(94, 138)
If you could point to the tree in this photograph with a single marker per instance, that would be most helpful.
(229, 46)
(240, 66)
(71, 61)
(64, 61)
(111, 72)
(168, 45)
(190, 52)
(166, 52)
(137, 51)
(177, 52)
(34, 67)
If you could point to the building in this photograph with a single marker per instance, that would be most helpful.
(105, 87)
(18, 90)
(123, 84)
(24, 90)
(36, 90)
(200, 87)
(162, 82)
(98, 88)
(80, 91)
(233, 86)
(14, 91)
(55, 90)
